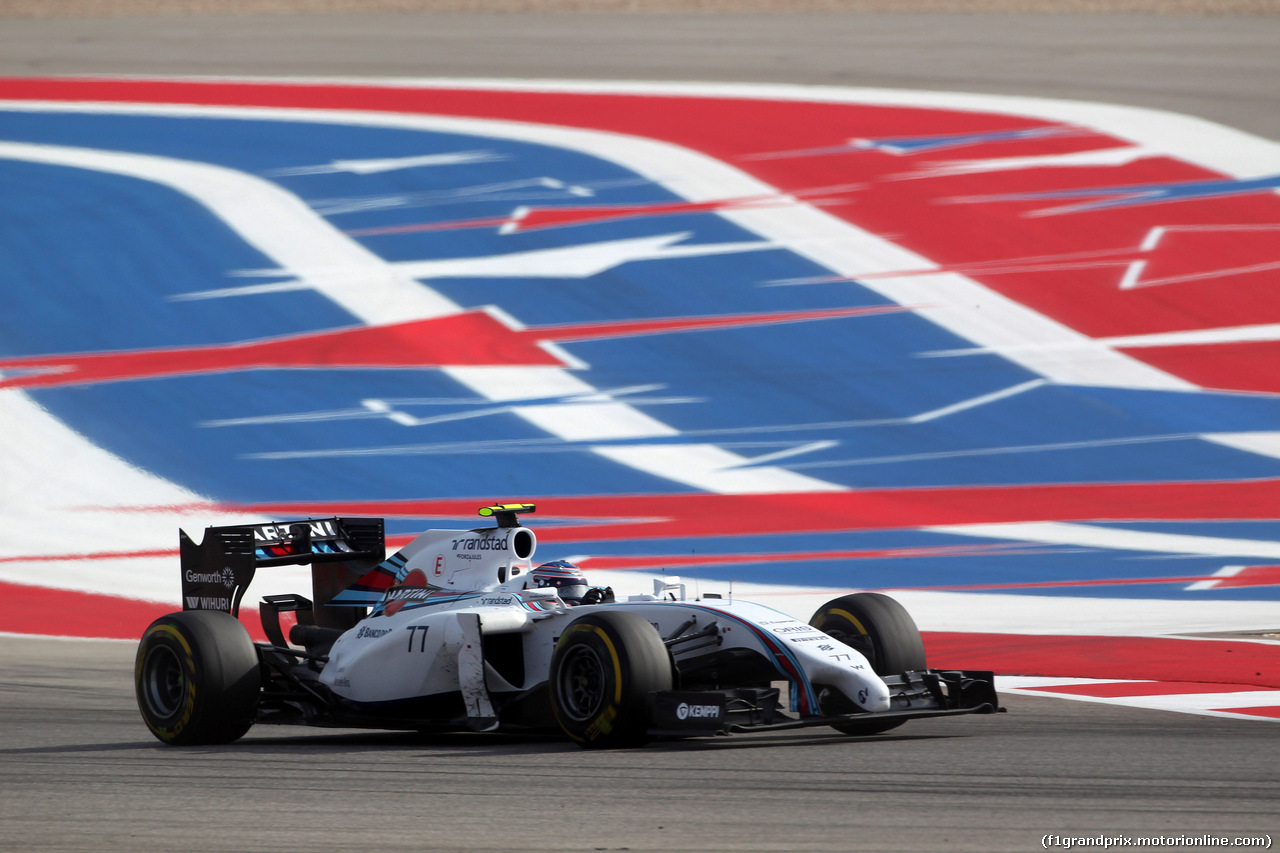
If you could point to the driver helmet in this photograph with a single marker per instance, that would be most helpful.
(567, 579)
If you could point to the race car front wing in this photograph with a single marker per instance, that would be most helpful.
(930, 693)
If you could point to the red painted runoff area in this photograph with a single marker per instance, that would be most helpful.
(1126, 689)
(41, 611)
(1153, 658)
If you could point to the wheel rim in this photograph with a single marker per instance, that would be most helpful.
(164, 684)
(581, 683)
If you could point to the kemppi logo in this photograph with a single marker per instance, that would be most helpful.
(685, 711)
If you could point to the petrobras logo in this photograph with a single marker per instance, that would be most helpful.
(685, 711)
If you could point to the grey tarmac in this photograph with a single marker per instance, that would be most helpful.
(82, 773)
(1221, 67)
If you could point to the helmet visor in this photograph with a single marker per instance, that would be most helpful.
(572, 591)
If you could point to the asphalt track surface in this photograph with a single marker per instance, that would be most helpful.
(82, 773)
(1222, 68)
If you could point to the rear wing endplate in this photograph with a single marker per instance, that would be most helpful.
(216, 572)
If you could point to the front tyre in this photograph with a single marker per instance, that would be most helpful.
(883, 631)
(604, 667)
(197, 678)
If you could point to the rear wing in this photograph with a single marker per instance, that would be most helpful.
(216, 572)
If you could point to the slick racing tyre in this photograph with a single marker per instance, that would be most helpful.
(882, 630)
(197, 678)
(604, 667)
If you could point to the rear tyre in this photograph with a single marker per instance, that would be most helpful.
(886, 635)
(197, 679)
(604, 667)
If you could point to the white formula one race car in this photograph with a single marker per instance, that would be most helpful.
(459, 630)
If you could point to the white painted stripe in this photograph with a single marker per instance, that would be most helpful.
(45, 466)
(1082, 615)
(1023, 682)
(956, 302)
(1188, 138)
(1210, 701)
(1131, 275)
(581, 261)
(270, 219)
(508, 384)
(595, 421)
(1261, 443)
(792, 451)
(712, 469)
(1204, 704)
(391, 164)
(1263, 333)
(1014, 613)
(975, 402)
(51, 481)
(1103, 157)
(1115, 538)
